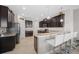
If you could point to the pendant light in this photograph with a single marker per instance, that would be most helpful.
(61, 20)
(48, 17)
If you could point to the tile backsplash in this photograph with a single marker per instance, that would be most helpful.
(2, 30)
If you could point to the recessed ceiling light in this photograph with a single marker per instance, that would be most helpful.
(24, 8)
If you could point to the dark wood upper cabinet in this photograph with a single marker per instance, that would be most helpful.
(6, 17)
(12, 19)
(3, 17)
(53, 22)
(28, 24)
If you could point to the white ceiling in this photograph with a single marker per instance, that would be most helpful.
(39, 11)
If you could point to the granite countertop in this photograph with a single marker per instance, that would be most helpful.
(46, 34)
(49, 35)
(42, 34)
(7, 34)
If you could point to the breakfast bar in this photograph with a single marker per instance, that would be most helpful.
(41, 42)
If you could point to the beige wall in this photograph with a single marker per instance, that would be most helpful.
(68, 25)
(76, 22)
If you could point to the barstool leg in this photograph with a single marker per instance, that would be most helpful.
(70, 47)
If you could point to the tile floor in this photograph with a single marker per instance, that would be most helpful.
(26, 46)
(76, 51)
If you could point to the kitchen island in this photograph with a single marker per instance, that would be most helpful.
(42, 41)
(7, 42)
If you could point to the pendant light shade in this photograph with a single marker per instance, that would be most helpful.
(61, 20)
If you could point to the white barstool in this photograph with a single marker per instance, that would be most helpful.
(55, 42)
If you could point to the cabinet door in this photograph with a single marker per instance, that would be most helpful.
(12, 19)
(4, 15)
(41, 24)
(0, 16)
(53, 22)
(9, 18)
(28, 24)
(48, 23)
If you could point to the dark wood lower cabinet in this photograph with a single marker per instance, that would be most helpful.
(7, 43)
(35, 44)
(28, 33)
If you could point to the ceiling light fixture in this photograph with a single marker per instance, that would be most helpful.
(24, 8)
